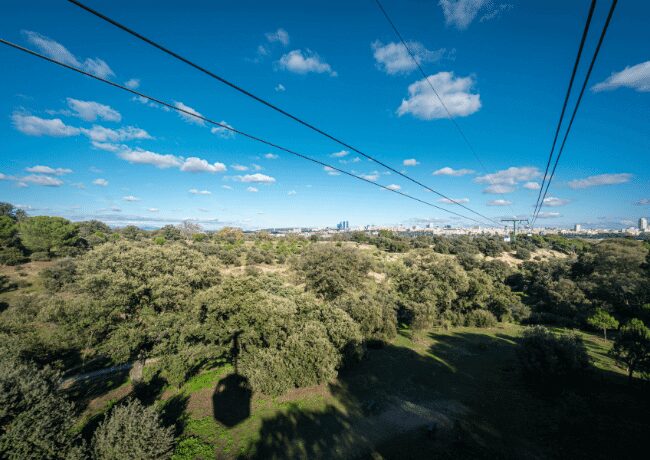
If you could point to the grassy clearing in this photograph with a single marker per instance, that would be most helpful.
(449, 394)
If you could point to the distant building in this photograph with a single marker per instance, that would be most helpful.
(343, 225)
(577, 228)
(643, 224)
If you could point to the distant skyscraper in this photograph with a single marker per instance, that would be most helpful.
(577, 228)
(643, 224)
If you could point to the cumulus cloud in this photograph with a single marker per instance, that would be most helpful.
(499, 189)
(238, 167)
(553, 202)
(331, 171)
(271, 156)
(455, 92)
(153, 209)
(340, 154)
(509, 177)
(410, 162)
(102, 134)
(394, 58)
(601, 179)
(130, 198)
(279, 35)
(303, 62)
(195, 165)
(499, 203)
(461, 13)
(257, 177)
(186, 116)
(532, 185)
(453, 200)
(57, 51)
(371, 177)
(133, 83)
(393, 187)
(100, 182)
(636, 77)
(38, 179)
(195, 191)
(227, 187)
(40, 169)
(252, 189)
(447, 171)
(91, 110)
(279, 88)
(548, 215)
(36, 126)
(291, 192)
(140, 156)
(223, 131)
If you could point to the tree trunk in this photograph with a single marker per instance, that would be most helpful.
(605, 333)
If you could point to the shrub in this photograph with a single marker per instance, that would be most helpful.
(39, 256)
(480, 318)
(132, 431)
(11, 256)
(548, 358)
(59, 274)
(522, 253)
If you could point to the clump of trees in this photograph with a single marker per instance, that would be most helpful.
(632, 347)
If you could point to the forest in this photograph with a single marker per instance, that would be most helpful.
(122, 343)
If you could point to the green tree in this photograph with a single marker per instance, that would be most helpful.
(9, 210)
(36, 422)
(632, 347)
(47, 234)
(132, 431)
(602, 320)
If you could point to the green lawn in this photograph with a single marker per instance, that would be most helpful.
(449, 394)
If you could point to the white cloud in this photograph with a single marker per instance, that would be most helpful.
(455, 92)
(187, 117)
(153, 209)
(511, 176)
(252, 189)
(643, 202)
(38, 179)
(548, 215)
(223, 131)
(130, 198)
(36, 126)
(305, 62)
(279, 88)
(461, 13)
(499, 203)
(532, 185)
(331, 171)
(195, 165)
(102, 134)
(101, 182)
(447, 171)
(291, 192)
(393, 187)
(195, 191)
(499, 189)
(271, 156)
(40, 169)
(394, 58)
(257, 177)
(57, 51)
(279, 35)
(602, 179)
(227, 187)
(410, 162)
(340, 154)
(4, 176)
(453, 200)
(91, 111)
(371, 177)
(636, 77)
(553, 202)
(256, 167)
(238, 167)
(133, 83)
(158, 160)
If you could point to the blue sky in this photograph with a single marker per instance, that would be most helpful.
(78, 148)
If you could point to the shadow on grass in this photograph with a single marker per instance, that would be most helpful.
(85, 390)
(231, 400)
(465, 398)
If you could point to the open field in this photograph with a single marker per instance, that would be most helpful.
(455, 394)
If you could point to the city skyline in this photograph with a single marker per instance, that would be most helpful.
(77, 148)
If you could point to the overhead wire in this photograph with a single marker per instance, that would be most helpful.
(575, 109)
(227, 127)
(271, 106)
(564, 105)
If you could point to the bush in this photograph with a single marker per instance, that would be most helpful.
(39, 256)
(522, 253)
(548, 358)
(132, 431)
(480, 318)
(59, 274)
(11, 256)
